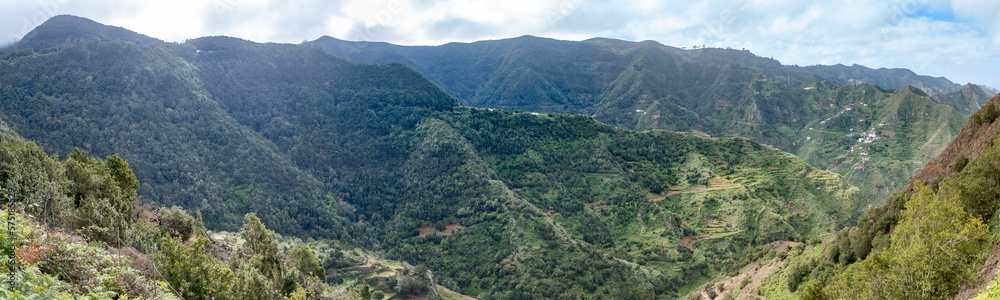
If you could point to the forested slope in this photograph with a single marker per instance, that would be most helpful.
(498, 204)
(817, 113)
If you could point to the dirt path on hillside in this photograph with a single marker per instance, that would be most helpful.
(750, 291)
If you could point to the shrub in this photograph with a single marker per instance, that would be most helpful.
(834, 254)
(743, 283)
(177, 222)
(960, 164)
(378, 295)
(406, 285)
(710, 292)
(933, 252)
(812, 291)
(990, 114)
(305, 261)
(797, 272)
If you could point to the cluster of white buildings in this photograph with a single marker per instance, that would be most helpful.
(643, 112)
(870, 138)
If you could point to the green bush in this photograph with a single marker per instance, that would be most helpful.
(796, 273)
(812, 291)
(743, 283)
(710, 292)
(406, 285)
(933, 252)
(834, 254)
(960, 164)
(177, 222)
(305, 261)
(57, 265)
(990, 114)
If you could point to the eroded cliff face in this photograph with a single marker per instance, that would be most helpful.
(968, 144)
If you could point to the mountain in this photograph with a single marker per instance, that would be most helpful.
(498, 204)
(968, 99)
(891, 78)
(65, 27)
(470, 71)
(817, 113)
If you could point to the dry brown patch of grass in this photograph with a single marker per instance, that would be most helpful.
(448, 229)
(29, 254)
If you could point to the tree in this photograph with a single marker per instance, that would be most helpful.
(103, 195)
(264, 250)
(304, 259)
(36, 180)
(361, 291)
(191, 271)
(928, 258)
(177, 222)
(990, 114)
(406, 285)
(258, 238)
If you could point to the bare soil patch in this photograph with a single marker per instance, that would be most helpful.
(448, 230)
(688, 242)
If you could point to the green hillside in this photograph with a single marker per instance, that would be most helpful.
(498, 204)
(814, 112)
(932, 240)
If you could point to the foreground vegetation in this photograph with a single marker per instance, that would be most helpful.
(72, 229)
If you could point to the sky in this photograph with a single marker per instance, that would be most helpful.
(957, 39)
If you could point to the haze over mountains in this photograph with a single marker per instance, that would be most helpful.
(573, 172)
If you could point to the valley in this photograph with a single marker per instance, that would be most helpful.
(525, 168)
(813, 112)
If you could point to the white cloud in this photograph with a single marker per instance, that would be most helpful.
(876, 33)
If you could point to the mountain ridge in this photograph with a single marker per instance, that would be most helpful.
(721, 92)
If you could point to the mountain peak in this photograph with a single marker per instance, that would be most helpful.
(909, 89)
(59, 29)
